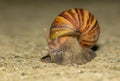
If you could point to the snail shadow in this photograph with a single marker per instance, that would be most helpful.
(46, 59)
(95, 48)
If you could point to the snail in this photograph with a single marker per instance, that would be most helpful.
(72, 35)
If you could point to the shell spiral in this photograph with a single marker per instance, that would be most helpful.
(77, 23)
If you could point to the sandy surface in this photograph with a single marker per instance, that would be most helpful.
(23, 42)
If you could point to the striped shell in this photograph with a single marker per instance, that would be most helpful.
(77, 23)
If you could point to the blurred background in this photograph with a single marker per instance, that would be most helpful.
(26, 14)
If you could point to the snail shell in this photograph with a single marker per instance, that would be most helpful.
(72, 34)
(77, 23)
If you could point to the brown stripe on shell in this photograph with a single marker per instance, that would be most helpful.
(63, 27)
(86, 19)
(88, 41)
(74, 17)
(67, 17)
(85, 44)
(87, 29)
(88, 22)
(90, 36)
(81, 14)
(78, 17)
(94, 27)
(60, 22)
(93, 34)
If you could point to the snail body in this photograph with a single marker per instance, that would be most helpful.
(78, 25)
